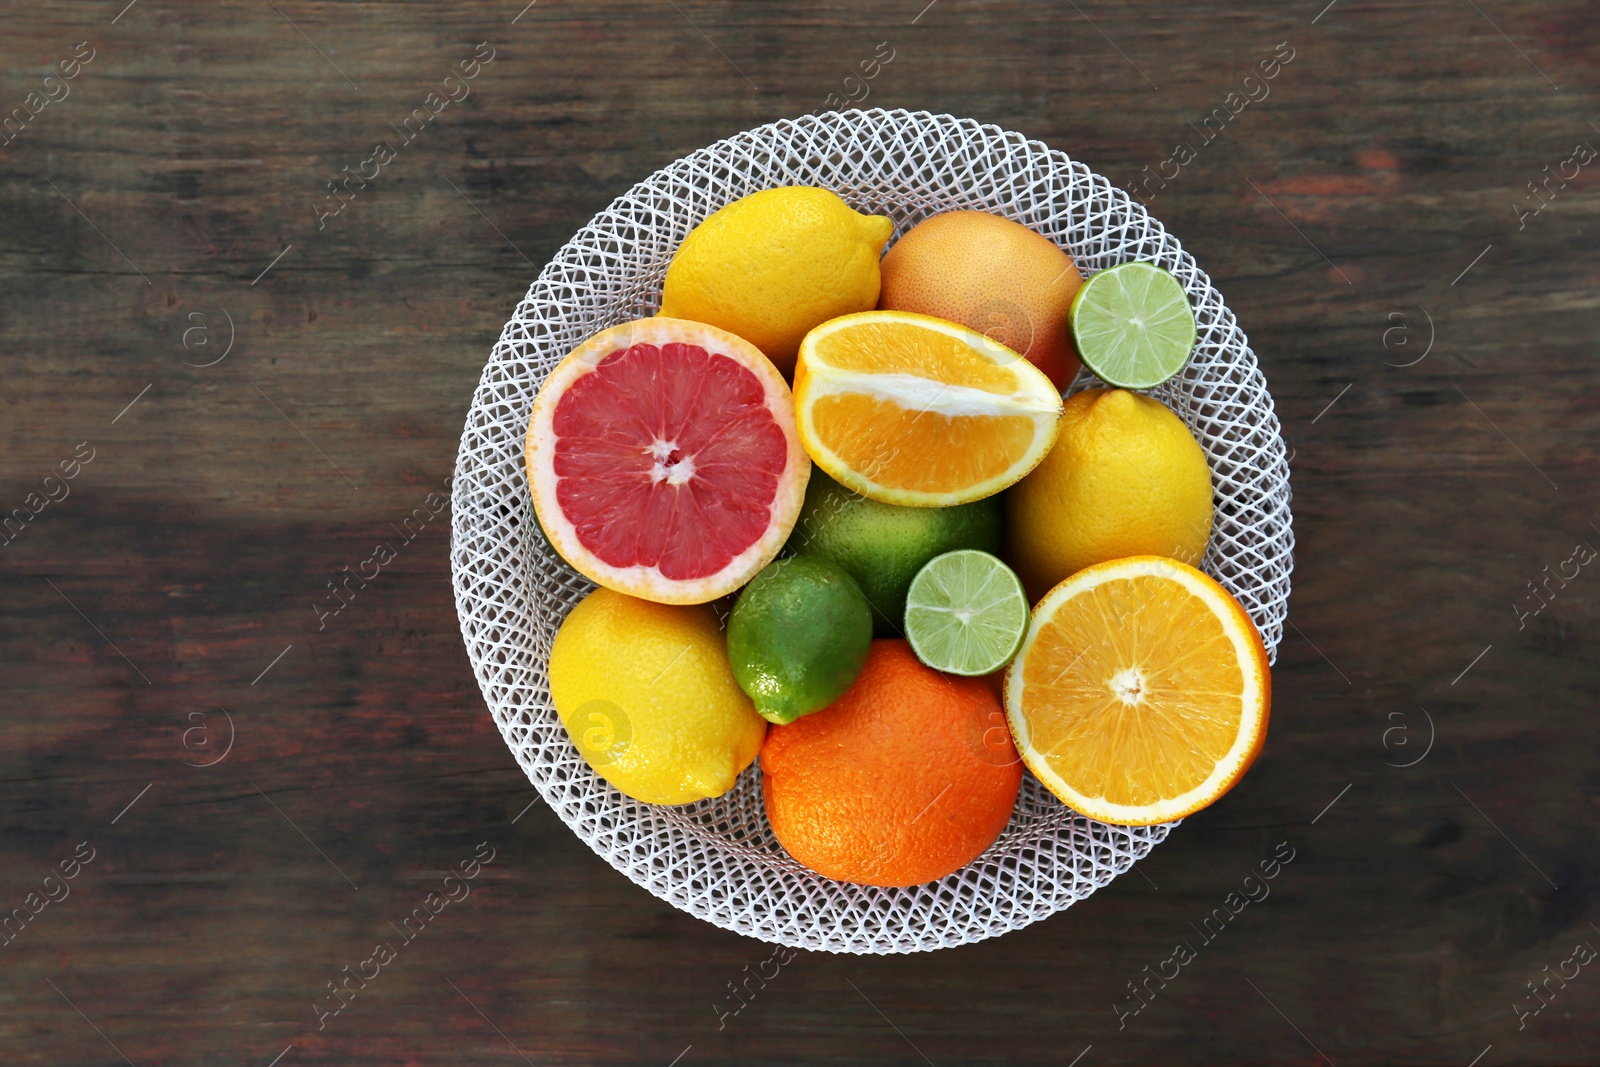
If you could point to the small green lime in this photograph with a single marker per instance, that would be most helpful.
(966, 613)
(798, 637)
(1132, 325)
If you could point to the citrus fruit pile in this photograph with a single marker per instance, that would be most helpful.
(842, 521)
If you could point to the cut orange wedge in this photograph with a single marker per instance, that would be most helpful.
(913, 410)
(1141, 693)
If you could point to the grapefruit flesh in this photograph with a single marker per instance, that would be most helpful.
(663, 460)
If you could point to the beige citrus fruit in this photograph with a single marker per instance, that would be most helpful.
(992, 275)
(1124, 478)
(1141, 693)
(913, 410)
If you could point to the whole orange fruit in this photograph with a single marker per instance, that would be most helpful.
(905, 778)
(991, 275)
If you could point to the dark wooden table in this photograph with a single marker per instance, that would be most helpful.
(1429, 338)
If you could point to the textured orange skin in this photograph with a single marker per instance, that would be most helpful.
(907, 777)
(991, 275)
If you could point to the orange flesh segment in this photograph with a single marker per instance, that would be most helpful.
(919, 450)
(1143, 632)
(893, 348)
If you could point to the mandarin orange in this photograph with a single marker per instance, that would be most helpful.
(907, 777)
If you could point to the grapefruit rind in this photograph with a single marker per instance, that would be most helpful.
(1033, 398)
(1255, 697)
(642, 581)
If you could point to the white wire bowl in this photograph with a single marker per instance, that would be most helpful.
(718, 859)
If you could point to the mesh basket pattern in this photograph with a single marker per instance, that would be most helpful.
(718, 859)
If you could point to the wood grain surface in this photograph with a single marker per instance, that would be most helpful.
(1430, 346)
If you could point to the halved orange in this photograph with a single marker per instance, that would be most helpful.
(913, 410)
(1141, 693)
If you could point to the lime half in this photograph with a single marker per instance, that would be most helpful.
(966, 613)
(1132, 325)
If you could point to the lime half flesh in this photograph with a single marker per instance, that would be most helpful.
(1132, 325)
(966, 613)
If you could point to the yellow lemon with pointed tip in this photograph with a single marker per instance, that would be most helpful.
(772, 265)
(647, 696)
(1125, 477)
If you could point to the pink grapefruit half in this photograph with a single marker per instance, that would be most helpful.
(664, 462)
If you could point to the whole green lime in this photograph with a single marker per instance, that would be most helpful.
(798, 637)
(883, 546)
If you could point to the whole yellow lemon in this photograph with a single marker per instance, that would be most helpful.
(647, 696)
(774, 264)
(1124, 478)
